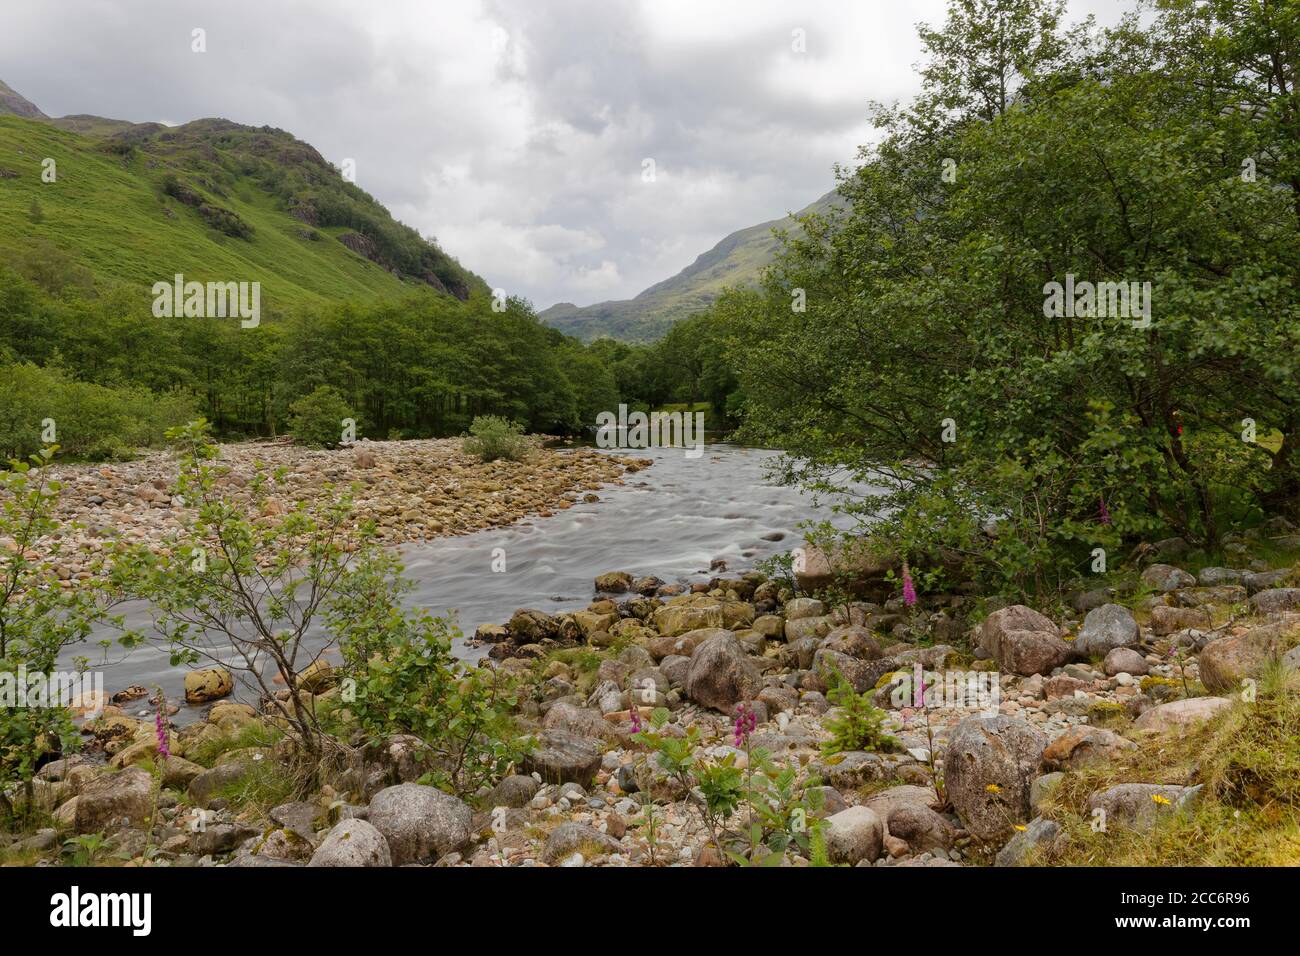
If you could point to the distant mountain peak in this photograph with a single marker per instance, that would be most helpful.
(736, 260)
(13, 103)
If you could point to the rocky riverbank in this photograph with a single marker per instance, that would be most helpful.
(1089, 713)
(413, 490)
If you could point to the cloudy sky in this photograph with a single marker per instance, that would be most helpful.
(514, 131)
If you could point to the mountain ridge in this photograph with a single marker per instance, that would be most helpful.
(738, 259)
(210, 199)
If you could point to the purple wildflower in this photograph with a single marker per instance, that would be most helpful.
(1104, 512)
(743, 725)
(909, 589)
(636, 720)
(160, 726)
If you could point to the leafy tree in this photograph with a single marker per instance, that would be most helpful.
(1002, 439)
(317, 419)
(244, 585)
(40, 617)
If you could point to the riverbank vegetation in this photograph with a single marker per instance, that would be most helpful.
(910, 341)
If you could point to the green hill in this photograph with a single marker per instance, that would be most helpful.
(737, 260)
(213, 200)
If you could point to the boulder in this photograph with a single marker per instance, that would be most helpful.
(590, 622)
(1031, 652)
(115, 800)
(1038, 833)
(852, 769)
(177, 772)
(1125, 660)
(563, 757)
(854, 835)
(528, 626)
(1166, 578)
(1165, 620)
(1042, 788)
(207, 684)
(1181, 714)
(854, 641)
(209, 783)
(1204, 597)
(805, 627)
(1226, 661)
(353, 843)
(852, 566)
(614, 582)
(1140, 805)
(514, 791)
(1264, 580)
(919, 827)
(419, 822)
(721, 673)
(1017, 617)
(1083, 745)
(570, 838)
(675, 619)
(988, 769)
(1105, 628)
(1275, 599)
(582, 721)
(1022, 641)
(219, 838)
(1213, 577)
(797, 608)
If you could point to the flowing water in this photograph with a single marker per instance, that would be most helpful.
(670, 520)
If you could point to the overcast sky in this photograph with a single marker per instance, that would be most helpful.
(514, 131)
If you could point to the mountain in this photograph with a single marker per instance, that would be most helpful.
(214, 200)
(13, 104)
(738, 260)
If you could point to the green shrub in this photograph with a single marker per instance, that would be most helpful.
(40, 406)
(408, 682)
(317, 419)
(491, 437)
(859, 723)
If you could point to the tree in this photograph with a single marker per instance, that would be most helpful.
(245, 585)
(39, 618)
(318, 418)
(1005, 438)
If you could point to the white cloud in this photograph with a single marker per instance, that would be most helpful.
(514, 130)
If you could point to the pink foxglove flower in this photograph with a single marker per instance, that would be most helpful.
(909, 589)
(636, 719)
(160, 726)
(1104, 512)
(743, 725)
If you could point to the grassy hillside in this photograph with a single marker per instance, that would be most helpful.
(137, 203)
(737, 260)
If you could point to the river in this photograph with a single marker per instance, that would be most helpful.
(671, 520)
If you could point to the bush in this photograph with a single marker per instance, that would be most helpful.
(408, 682)
(491, 437)
(39, 620)
(859, 723)
(317, 419)
(88, 421)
